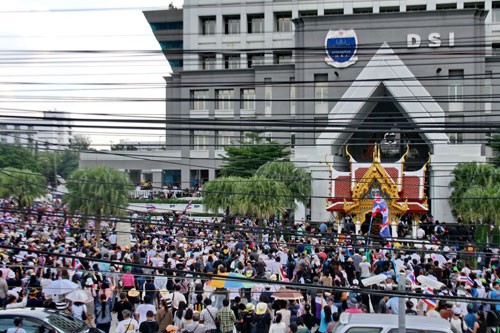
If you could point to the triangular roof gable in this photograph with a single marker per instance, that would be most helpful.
(388, 69)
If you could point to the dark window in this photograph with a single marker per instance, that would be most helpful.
(208, 25)
(474, 5)
(445, 6)
(155, 26)
(171, 44)
(255, 59)
(303, 13)
(255, 23)
(283, 22)
(334, 11)
(391, 9)
(364, 10)
(281, 58)
(231, 24)
(176, 63)
(416, 8)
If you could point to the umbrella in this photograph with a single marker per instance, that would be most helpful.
(287, 294)
(439, 258)
(228, 280)
(79, 295)
(59, 287)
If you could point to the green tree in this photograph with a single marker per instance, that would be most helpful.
(18, 157)
(297, 180)
(22, 184)
(468, 175)
(494, 143)
(98, 191)
(256, 196)
(80, 143)
(476, 196)
(245, 159)
(219, 193)
(68, 163)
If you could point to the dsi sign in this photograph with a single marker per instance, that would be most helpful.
(340, 47)
(434, 39)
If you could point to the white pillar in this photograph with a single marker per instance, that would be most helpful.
(394, 229)
(357, 225)
(414, 229)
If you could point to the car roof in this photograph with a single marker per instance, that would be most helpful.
(392, 320)
(40, 313)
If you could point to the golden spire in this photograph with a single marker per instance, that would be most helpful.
(376, 153)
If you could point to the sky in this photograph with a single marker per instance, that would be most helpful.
(42, 67)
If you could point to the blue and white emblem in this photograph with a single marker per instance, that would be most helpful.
(340, 47)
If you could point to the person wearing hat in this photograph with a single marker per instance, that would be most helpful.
(262, 317)
(247, 319)
(164, 315)
(226, 317)
(457, 323)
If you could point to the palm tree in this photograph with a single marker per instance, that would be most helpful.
(254, 196)
(258, 196)
(219, 193)
(98, 191)
(23, 185)
(468, 175)
(297, 180)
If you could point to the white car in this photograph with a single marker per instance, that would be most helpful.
(388, 323)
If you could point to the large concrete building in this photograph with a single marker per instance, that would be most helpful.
(52, 132)
(321, 76)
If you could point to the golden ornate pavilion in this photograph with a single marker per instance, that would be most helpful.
(352, 192)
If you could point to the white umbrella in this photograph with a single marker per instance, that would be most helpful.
(79, 295)
(60, 287)
(439, 258)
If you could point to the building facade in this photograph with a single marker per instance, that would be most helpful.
(321, 76)
(52, 132)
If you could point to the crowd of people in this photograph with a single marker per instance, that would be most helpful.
(161, 281)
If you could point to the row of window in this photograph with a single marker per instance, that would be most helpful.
(233, 61)
(255, 23)
(283, 20)
(201, 139)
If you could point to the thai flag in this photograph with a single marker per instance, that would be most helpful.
(283, 275)
(428, 301)
(467, 280)
(434, 239)
(66, 230)
(77, 264)
(380, 206)
(188, 207)
(412, 279)
(150, 208)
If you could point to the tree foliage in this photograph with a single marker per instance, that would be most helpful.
(297, 180)
(255, 196)
(476, 192)
(98, 191)
(494, 143)
(245, 159)
(18, 158)
(22, 184)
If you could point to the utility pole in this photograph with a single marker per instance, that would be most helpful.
(402, 305)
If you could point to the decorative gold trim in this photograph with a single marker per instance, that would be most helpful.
(351, 159)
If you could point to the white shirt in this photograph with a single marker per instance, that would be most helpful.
(128, 325)
(142, 309)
